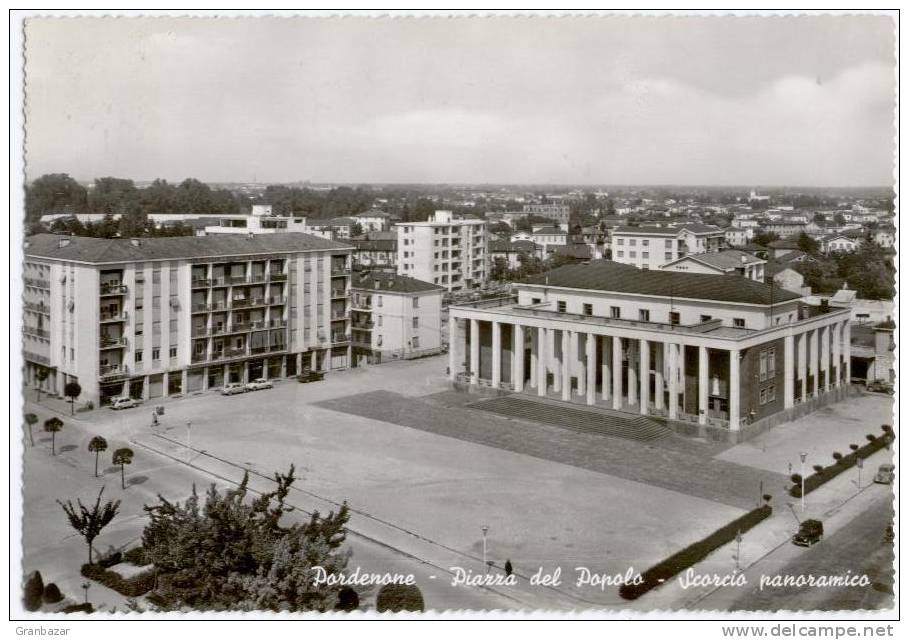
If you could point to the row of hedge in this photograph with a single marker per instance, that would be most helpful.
(842, 463)
(133, 587)
(694, 553)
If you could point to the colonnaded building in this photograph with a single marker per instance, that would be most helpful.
(712, 354)
(157, 316)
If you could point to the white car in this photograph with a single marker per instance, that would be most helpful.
(123, 403)
(259, 383)
(233, 388)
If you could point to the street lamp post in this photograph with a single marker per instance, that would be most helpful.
(738, 551)
(859, 463)
(485, 531)
(189, 426)
(803, 455)
(85, 587)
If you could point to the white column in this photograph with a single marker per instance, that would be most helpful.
(496, 354)
(591, 349)
(682, 373)
(837, 354)
(645, 376)
(847, 351)
(632, 379)
(534, 347)
(577, 363)
(616, 372)
(734, 391)
(165, 380)
(673, 374)
(703, 384)
(542, 361)
(813, 362)
(474, 363)
(566, 364)
(517, 357)
(802, 339)
(658, 376)
(825, 357)
(556, 361)
(452, 348)
(788, 372)
(606, 372)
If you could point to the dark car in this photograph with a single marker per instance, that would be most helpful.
(809, 533)
(311, 376)
(879, 386)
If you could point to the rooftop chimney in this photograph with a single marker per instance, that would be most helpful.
(136, 242)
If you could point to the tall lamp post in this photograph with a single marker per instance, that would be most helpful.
(189, 426)
(485, 531)
(859, 463)
(803, 455)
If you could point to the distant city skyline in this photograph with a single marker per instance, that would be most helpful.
(778, 102)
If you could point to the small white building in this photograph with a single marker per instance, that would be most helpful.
(729, 262)
(739, 236)
(838, 243)
(550, 238)
(373, 220)
(652, 247)
(394, 317)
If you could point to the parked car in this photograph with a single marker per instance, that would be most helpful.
(233, 388)
(311, 376)
(809, 533)
(123, 403)
(885, 474)
(879, 386)
(259, 383)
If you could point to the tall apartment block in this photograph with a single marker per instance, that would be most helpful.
(445, 250)
(161, 316)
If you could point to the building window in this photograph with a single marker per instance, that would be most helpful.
(140, 328)
(738, 323)
(674, 317)
(668, 244)
(562, 306)
(615, 312)
(705, 318)
(416, 303)
(156, 354)
(416, 322)
(379, 300)
(667, 256)
(645, 243)
(378, 321)
(620, 241)
(173, 352)
(632, 254)
(644, 315)
(535, 301)
(645, 255)
(588, 309)
(632, 243)
(620, 254)
(768, 394)
(378, 341)
(416, 342)
(139, 355)
(139, 303)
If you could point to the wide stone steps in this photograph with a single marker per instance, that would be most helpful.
(599, 421)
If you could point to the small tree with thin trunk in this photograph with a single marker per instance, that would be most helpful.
(96, 446)
(52, 426)
(89, 522)
(30, 421)
(41, 375)
(72, 390)
(123, 457)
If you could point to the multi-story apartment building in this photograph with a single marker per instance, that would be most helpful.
(652, 247)
(445, 250)
(558, 213)
(377, 253)
(161, 316)
(394, 316)
(550, 238)
(722, 354)
(373, 220)
(739, 236)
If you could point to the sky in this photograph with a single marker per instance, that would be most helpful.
(762, 101)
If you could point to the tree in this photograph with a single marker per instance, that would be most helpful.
(808, 244)
(31, 420)
(96, 446)
(89, 522)
(54, 193)
(52, 426)
(765, 238)
(34, 591)
(41, 376)
(72, 390)
(356, 230)
(123, 457)
(499, 269)
(222, 551)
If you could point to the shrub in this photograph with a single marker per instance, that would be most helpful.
(871, 437)
(767, 497)
(34, 591)
(399, 597)
(837, 456)
(509, 569)
(136, 556)
(348, 600)
(52, 593)
(796, 477)
(111, 560)
(817, 467)
(842, 464)
(854, 447)
(694, 553)
(138, 585)
(85, 607)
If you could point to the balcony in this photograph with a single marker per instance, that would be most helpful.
(219, 282)
(37, 282)
(239, 327)
(277, 300)
(35, 331)
(113, 343)
(202, 332)
(337, 272)
(112, 372)
(277, 277)
(112, 289)
(338, 293)
(240, 303)
(339, 338)
(237, 280)
(257, 278)
(277, 324)
(201, 307)
(362, 303)
(368, 325)
(37, 307)
(201, 283)
(339, 315)
(228, 354)
(121, 316)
